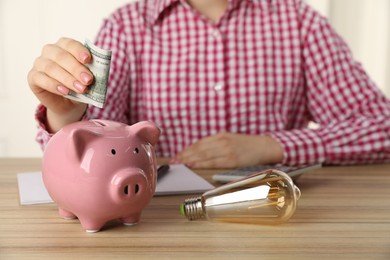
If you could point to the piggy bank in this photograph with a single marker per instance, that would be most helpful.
(101, 170)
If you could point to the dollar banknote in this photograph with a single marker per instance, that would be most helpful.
(100, 68)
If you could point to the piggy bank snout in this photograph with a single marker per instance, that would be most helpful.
(128, 185)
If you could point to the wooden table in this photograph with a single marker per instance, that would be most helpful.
(343, 213)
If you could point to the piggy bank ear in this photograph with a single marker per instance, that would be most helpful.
(147, 131)
(78, 143)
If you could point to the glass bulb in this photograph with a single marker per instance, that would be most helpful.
(266, 197)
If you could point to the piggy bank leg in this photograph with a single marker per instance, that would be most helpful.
(131, 220)
(66, 214)
(91, 226)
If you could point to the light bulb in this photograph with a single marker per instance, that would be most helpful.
(267, 197)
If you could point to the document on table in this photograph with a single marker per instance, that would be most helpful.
(179, 180)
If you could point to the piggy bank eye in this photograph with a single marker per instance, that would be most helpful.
(136, 151)
(113, 152)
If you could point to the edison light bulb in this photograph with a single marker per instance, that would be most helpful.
(266, 197)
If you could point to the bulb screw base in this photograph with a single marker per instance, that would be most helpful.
(192, 208)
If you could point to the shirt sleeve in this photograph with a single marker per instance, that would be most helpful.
(352, 113)
(43, 135)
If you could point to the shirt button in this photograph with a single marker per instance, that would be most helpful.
(218, 86)
(216, 34)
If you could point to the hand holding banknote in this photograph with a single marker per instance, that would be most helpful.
(60, 70)
(100, 68)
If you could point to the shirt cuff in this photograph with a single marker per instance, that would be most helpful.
(301, 146)
(43, 135)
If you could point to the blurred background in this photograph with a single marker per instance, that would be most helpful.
(25, 26)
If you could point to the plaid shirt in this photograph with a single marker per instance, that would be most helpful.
(264, 67)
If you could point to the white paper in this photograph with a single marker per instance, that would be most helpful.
(178, 180)
(181, 180)
(32, 189)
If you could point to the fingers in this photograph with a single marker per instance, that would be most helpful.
(210, 152)
(195, 152)
(61, 68)
(64, 62)
(227, 150)
(215, 163)
(77, 49)
(37, 78)
(51, 100)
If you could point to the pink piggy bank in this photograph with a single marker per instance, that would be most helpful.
(101, 170)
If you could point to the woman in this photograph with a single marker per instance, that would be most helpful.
(231, 83)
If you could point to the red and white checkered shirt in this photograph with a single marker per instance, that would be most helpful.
(267, 66)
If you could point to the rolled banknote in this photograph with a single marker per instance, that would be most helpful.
(100, 68)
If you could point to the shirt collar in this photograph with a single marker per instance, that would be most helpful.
(161, 5)
(264, 4)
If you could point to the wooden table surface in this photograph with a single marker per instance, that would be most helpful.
(343, 213)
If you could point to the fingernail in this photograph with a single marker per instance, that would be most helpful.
(63, 90)
(84, 57)
(190, 165)
(174, 161)
(86, 78)
(80, 87)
